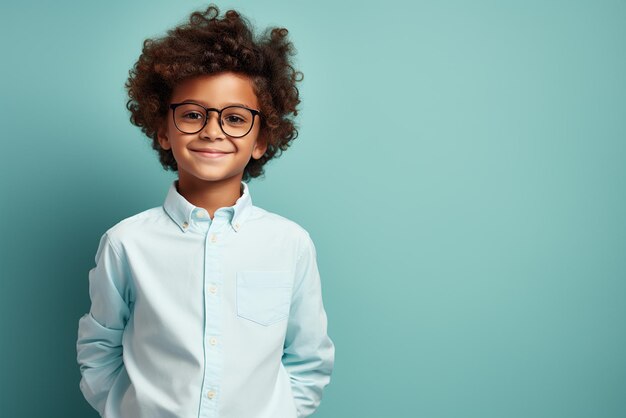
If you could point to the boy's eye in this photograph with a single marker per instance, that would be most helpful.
(193, 116)
(234, 119)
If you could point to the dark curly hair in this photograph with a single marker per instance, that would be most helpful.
(208, 45)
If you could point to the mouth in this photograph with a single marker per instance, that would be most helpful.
(211, 154)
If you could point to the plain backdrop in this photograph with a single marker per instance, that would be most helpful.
(460, 167)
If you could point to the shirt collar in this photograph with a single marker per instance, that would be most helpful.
(182, 211)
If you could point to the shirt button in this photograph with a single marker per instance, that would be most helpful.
(236, 226)
(185, 224)
(213, 289)
(210, 394)
(213, 238)
(212, 340)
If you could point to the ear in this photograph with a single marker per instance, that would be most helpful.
(260, 147)
(162, 136)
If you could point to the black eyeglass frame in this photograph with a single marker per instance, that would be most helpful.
(254, 112)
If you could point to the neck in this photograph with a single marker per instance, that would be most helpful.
(210, 195)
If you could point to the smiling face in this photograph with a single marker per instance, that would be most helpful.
(232, 154)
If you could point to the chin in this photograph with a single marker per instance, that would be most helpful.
(215, 177)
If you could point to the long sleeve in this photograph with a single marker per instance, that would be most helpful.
(308, 350)
(99, 344)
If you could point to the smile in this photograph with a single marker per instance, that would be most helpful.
(211, 154)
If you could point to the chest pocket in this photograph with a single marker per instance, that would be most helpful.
(264, 297)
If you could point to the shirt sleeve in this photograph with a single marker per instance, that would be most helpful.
(309, 352)
(99, 343)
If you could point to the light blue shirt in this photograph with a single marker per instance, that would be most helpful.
(193, 317)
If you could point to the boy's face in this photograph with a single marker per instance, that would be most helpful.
(217, 91)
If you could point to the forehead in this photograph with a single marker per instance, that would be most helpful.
(216, 90)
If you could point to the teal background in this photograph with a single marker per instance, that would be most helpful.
(460, 167)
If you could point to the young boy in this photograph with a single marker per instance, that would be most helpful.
(208, 306)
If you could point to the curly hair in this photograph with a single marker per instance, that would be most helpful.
(209, 45)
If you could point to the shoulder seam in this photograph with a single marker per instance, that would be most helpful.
(128, 282)
(302, 248)
(110, 241)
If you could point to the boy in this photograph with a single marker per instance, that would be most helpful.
(208, 306)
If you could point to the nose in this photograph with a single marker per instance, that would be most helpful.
(212, 129)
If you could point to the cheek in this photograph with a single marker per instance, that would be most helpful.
(175, 139)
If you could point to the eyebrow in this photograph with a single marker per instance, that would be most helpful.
(225, 104)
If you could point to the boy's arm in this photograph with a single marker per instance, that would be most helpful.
(309, 352)
(99, 344)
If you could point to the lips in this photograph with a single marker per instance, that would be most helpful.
(211, 151)
(211, 154)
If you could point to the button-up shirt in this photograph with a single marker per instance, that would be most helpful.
(198, 317)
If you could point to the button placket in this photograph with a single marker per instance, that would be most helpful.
(213, 277)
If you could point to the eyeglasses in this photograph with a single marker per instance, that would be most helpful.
(235, 121)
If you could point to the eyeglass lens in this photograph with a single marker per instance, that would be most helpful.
(236, 120)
